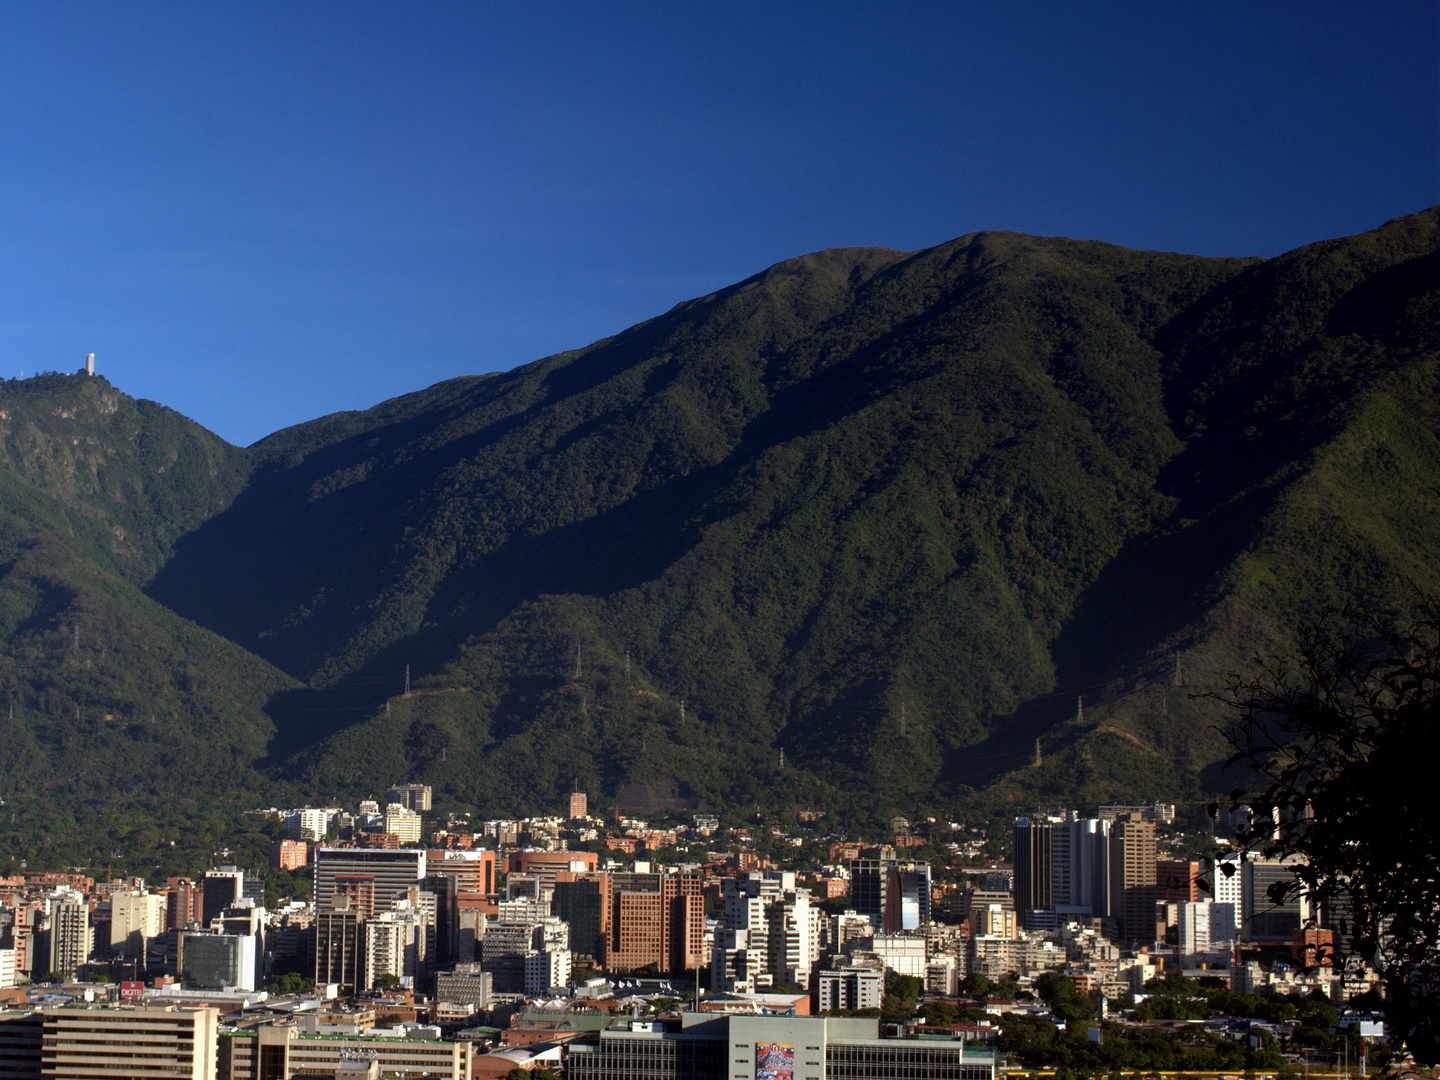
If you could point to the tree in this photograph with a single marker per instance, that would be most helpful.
(1335, 737)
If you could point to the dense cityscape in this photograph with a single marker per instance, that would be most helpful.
(422, 944)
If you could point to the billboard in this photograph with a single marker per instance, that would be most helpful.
(132, 991)
(774, 1061)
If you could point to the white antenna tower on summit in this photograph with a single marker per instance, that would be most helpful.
(90, 364)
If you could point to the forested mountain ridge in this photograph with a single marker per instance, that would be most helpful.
(889, 512)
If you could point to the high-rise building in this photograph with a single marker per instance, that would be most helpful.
(393, 872)
(850, 988)
(1080, 867)
(770, 936)
(69, 936)
(1263, 919)
(1227, 889)
(1034, 870)
(135, 918)
(655, 919)
(131, 1041)
(1132, 875)
(579, 805)
(308, 824)
(402, 822)
(339, 948)
(221, 888)
(1178, 880)
(894, 893)
(1195, 919)
(580, 904)
(411, 796)
(212, 962)
(288, 854)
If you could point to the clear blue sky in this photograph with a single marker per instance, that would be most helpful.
(258, 214)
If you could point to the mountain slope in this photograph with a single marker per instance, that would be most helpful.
(889, 514)
(863, 507)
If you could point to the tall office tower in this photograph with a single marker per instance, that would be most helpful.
(394, 872)
(411, 796)
(655, 919)
(895, 894)
(1132, 875)
(339, 947)
(579, 805)
(69, 936)
(1080, 867)
(221, 888)
(135, 918)
(579, 904)
(1226, 888)
(1196, 917)
(1177, 880)
(1262, 918)
(1034, 869)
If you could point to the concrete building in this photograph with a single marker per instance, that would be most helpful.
(216, 962)
(770, 934)
(579, 805)
(135, 918)
(220, 888)
(308, 824)
(404, 823)
(69, 936)
(1034, 873)
(895, 894)
(902, 953)
(1132, 876)
(849, 988)
(411, 796)
(289, 854)
(468, 984)
(1263, 920)
(393, 873)
(705, 1046)
(138, 1043)
(281, 1050)
(655, 919)
(547, 971)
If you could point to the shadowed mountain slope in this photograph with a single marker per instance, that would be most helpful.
(888, 513)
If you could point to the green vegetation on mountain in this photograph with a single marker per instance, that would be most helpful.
(889, 514)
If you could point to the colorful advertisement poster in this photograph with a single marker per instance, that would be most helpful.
(774, 1061)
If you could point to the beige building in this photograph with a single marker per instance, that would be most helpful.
(128, 1043)
(281, 1050)
(135, 918)
(403, 822)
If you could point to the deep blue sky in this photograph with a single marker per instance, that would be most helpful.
(258, 214)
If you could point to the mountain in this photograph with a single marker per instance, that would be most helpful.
(891, 513)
